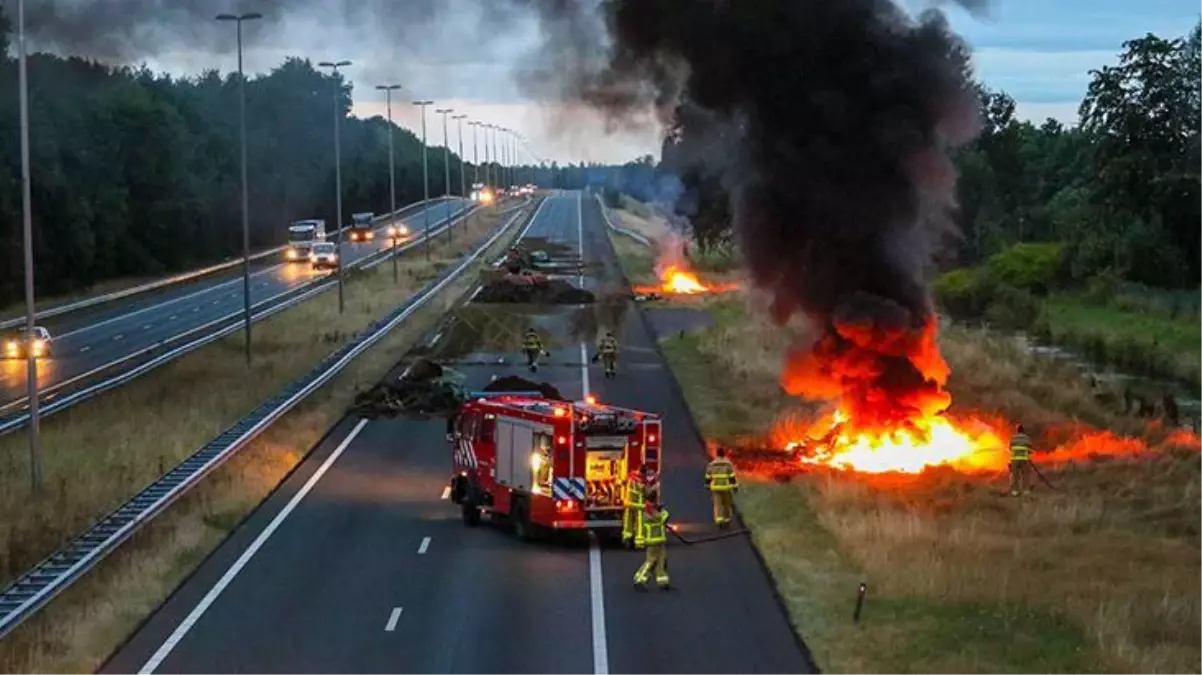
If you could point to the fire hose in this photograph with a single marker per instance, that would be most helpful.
(1035, 468)
(708, 538)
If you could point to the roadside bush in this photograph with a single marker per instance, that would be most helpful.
(1035, 268)
(963, 293)
(1012, 307)
(611, 197)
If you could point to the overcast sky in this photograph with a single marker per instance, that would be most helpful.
(1039, 51)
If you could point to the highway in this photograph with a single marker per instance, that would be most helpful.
(87, 340)
(360, 563)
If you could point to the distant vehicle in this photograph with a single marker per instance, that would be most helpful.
(324, 256)
(302, 235)
(398, 231)
(361, 227)
(482, 194)
(15, 345)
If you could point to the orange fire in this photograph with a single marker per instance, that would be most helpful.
(891, 405)
(672, 268)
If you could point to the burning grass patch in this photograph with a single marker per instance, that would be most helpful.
(1101, 574)
(102, 451)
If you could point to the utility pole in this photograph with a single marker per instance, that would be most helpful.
(425, 176)
(393, 230)
(459, 124)
(475, 158)
(446, 165)
(497, 169)
(31, 383)
(334, 66)
(487, 162)
(238, 19)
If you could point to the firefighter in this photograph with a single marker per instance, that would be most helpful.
(513, 260)
(632, 517)
(655, 532)
(650, 485)
(607, 351)
(722, 483)
(532, 344)
(1020, 461)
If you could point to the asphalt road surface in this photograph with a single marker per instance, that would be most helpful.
(360, 563)
(85, 341)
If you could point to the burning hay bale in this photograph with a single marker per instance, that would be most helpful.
(525, 289)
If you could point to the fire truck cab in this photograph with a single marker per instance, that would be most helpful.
(547, 464)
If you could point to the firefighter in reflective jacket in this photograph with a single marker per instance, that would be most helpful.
(722, 482)
(532, 345)
(1020, 461)
(655, 531)
(632, 517)
(607, 351)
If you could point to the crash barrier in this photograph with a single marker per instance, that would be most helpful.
(260, 310)
(33, 590)
(185, 276)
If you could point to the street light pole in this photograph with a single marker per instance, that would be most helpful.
(487, 160)
(238, 19)
(35, 446)
(496, 172)
(388, 89)
(446, 165)
(425, 176)
(459, 125)
(334, 66)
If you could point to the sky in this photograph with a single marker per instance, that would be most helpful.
(1038, 51)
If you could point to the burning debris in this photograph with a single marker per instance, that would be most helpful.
(673, 268)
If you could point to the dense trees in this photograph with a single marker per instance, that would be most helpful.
(135, 173)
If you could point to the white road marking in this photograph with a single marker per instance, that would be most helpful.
(171, 318)
(84, 348)
(393, 619)
(217, 301)
(207, 601)
(446, 492)
(195, 309)
(595, 587)
(118, 336)
(146, 326)
(421, 550)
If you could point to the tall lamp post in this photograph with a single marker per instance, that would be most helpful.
(425, 176)
(35, 447)
(446, 165)
(459, 124)
(334, 66)
(238, 19)
(393, 230)
(496, 172)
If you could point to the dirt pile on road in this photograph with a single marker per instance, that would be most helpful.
(426, 389)
(548, 292)
(515, 383)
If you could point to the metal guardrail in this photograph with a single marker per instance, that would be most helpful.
(16, 421)
(637, 236)
(33, 590)
(67, 308)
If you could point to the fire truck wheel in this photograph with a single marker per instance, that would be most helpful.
(519, 516)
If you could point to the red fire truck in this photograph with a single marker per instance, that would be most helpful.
(547, 464)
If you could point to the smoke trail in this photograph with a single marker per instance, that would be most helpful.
(829, 124)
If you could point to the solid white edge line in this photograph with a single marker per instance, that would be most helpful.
(425, 546)
(446, 492)
(207, 601)
(595, 586)
(393, 618)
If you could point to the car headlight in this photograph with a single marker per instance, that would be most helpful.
(404, 230)
(12, 347)
(291, 255)
(312, 257)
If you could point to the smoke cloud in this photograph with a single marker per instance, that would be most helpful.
(829, 123)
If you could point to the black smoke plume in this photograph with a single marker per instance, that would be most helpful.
(827, 124)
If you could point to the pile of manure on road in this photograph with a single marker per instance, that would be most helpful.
(426, 388)
(515, 384)
(548, 292)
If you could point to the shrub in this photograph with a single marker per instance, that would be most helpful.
(963, 293)
(1012, 307)
(611, 197)
(1035, 268)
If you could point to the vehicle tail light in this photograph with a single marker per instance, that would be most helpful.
(565, 505)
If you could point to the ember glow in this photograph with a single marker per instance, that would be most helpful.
(672, 268)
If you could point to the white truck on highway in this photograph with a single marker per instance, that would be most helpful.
(302, 235)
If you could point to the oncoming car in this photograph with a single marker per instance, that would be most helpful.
(14, 345)
(324, 255)
(398, 231)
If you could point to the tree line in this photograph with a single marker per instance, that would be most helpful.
(1118, 193)
(137, 174)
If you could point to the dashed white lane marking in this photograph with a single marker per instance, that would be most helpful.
(145, 326)
(195, 309)
(84, 348)
(217, 302)
(171, 318)
(207, 601)
(421, 550)
(118, 336)
(446, 492)
(393, 619)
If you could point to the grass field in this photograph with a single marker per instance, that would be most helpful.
(102, 451)
(1100, 575)
(1141, 341)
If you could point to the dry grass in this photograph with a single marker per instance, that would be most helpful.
(103, 451)
(634, 215)
(1101, 575)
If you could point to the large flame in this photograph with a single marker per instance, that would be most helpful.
(674, 273)
(890, 415)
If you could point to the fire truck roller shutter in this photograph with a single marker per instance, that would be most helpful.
(569, 488)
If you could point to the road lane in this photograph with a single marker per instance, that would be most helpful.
(82, 344)
(321, 594)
